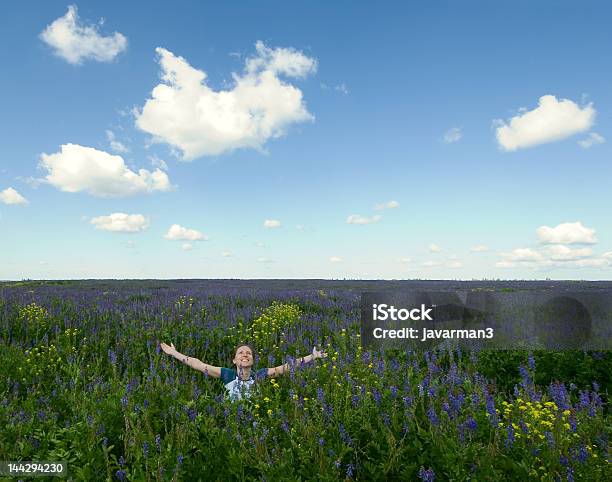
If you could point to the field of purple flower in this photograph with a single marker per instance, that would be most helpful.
(84, 382)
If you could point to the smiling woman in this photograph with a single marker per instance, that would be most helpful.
(238, 382)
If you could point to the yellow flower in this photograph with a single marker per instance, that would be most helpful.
(566, 426)
(269, 411)
(566, 413)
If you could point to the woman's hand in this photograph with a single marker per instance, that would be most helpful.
(170, 350)
(317, 354)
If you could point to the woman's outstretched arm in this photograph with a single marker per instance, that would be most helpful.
(191, 362)
(279, 370)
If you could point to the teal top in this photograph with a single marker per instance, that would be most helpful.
(238, 389)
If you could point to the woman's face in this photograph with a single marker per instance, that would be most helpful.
(244, 357)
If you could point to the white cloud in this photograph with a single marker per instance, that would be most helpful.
(552, 120)
(434, 248)
(115, 145)
(187, 247)
(335, 259)
(387, 205)
(522, 254)
(177, 232)
(591, 263)
(607, 256)
(404, 260)
(479, 248)
(505, 264)
(75, 42)
(455, 264)
(452, 135)
(272, 223)
(264, 260)
(76, 168)
(567, 233)
(121, 223)
(342, 88)
(11, 196)
(159, 163)
(226, 254)
(357, 219)
(430, 264)
(563, 253)
(591, 140)
(186, 113)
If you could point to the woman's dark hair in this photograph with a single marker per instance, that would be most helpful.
(253, 352)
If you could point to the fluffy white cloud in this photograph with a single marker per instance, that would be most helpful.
(115, 145)
(272, 223)
(76, 168)
(455, 264)
(566, 233)
(11, 196)
(479, 248)
(179, 233)
(452, 135)
(75, 42)
(335, 259)
(387, 205)
(591, 140)
(552, 120)
(186, 113)
(226, 254)
(187, 247)
(591, 263)
(357, 219)
(553, 257)
(434, 248)
(121, 223)
(522, 254)
(563, 253)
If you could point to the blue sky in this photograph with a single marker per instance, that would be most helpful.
(438, 140)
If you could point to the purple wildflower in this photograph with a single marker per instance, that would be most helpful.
(121, 475)
(349, 470)
(582, 454)
(433, 417)
(531, 361)
(509, 436)
(426, 475)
